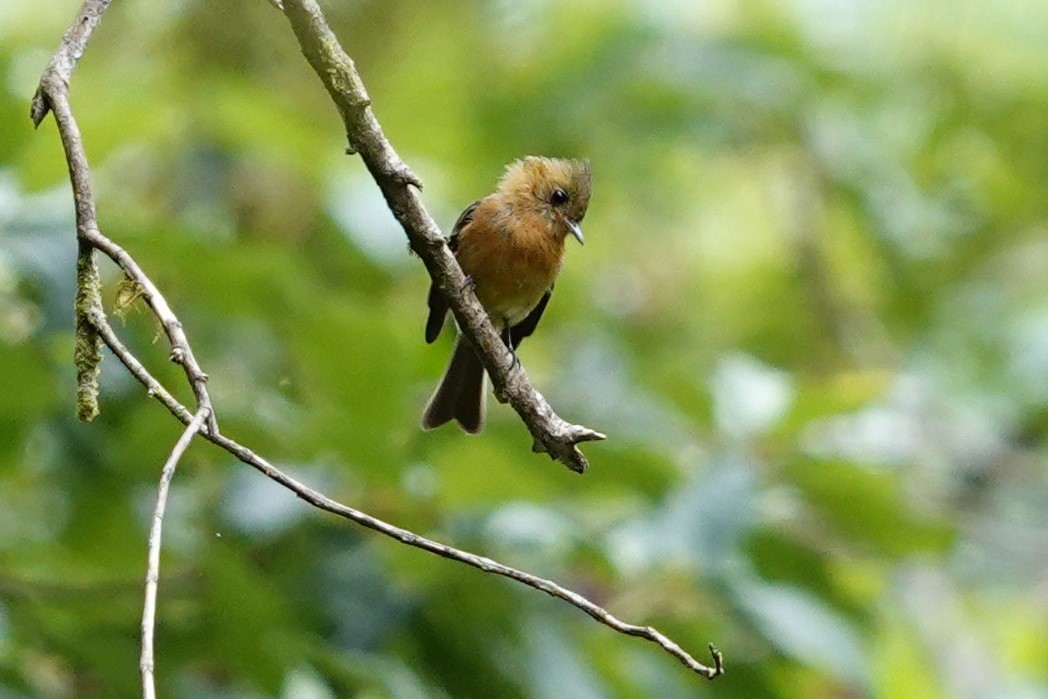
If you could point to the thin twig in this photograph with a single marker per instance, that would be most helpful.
(321, 501)
(153, 387)
(147, 661)
(552, 435)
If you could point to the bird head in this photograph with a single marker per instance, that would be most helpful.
(557, 188)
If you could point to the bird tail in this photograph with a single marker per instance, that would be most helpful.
(460, 396)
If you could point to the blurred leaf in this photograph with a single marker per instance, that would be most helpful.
(555, 668)
(905, 668)
(868, 507)
(802, 626)
(249, 627)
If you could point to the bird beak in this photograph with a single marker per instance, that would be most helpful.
(576, 230)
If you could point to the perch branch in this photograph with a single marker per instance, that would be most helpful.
(147, 661)
(552, 435)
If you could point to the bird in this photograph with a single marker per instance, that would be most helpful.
(510, 246)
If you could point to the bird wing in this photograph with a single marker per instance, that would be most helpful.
(438, 305)
(512, 336)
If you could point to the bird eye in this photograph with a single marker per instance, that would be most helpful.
(558, 197)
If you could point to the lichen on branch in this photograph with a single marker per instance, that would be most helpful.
(87, 352)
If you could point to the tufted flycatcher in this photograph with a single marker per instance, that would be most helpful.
(510, 246)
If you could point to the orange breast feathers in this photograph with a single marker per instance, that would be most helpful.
(513, 259)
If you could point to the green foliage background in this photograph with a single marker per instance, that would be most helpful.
(812, 315)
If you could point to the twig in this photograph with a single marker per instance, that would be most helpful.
(181, 353)
(321, 501)
(55, 79)
(53, 95)
(146, 662)
(153, 387)
(552, 434)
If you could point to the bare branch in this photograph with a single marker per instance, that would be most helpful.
(321, 501)
(53, 90)
(55, 79)
(53, 94)
(147, 661)
(552, 435)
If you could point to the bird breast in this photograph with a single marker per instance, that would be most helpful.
(510, 269)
